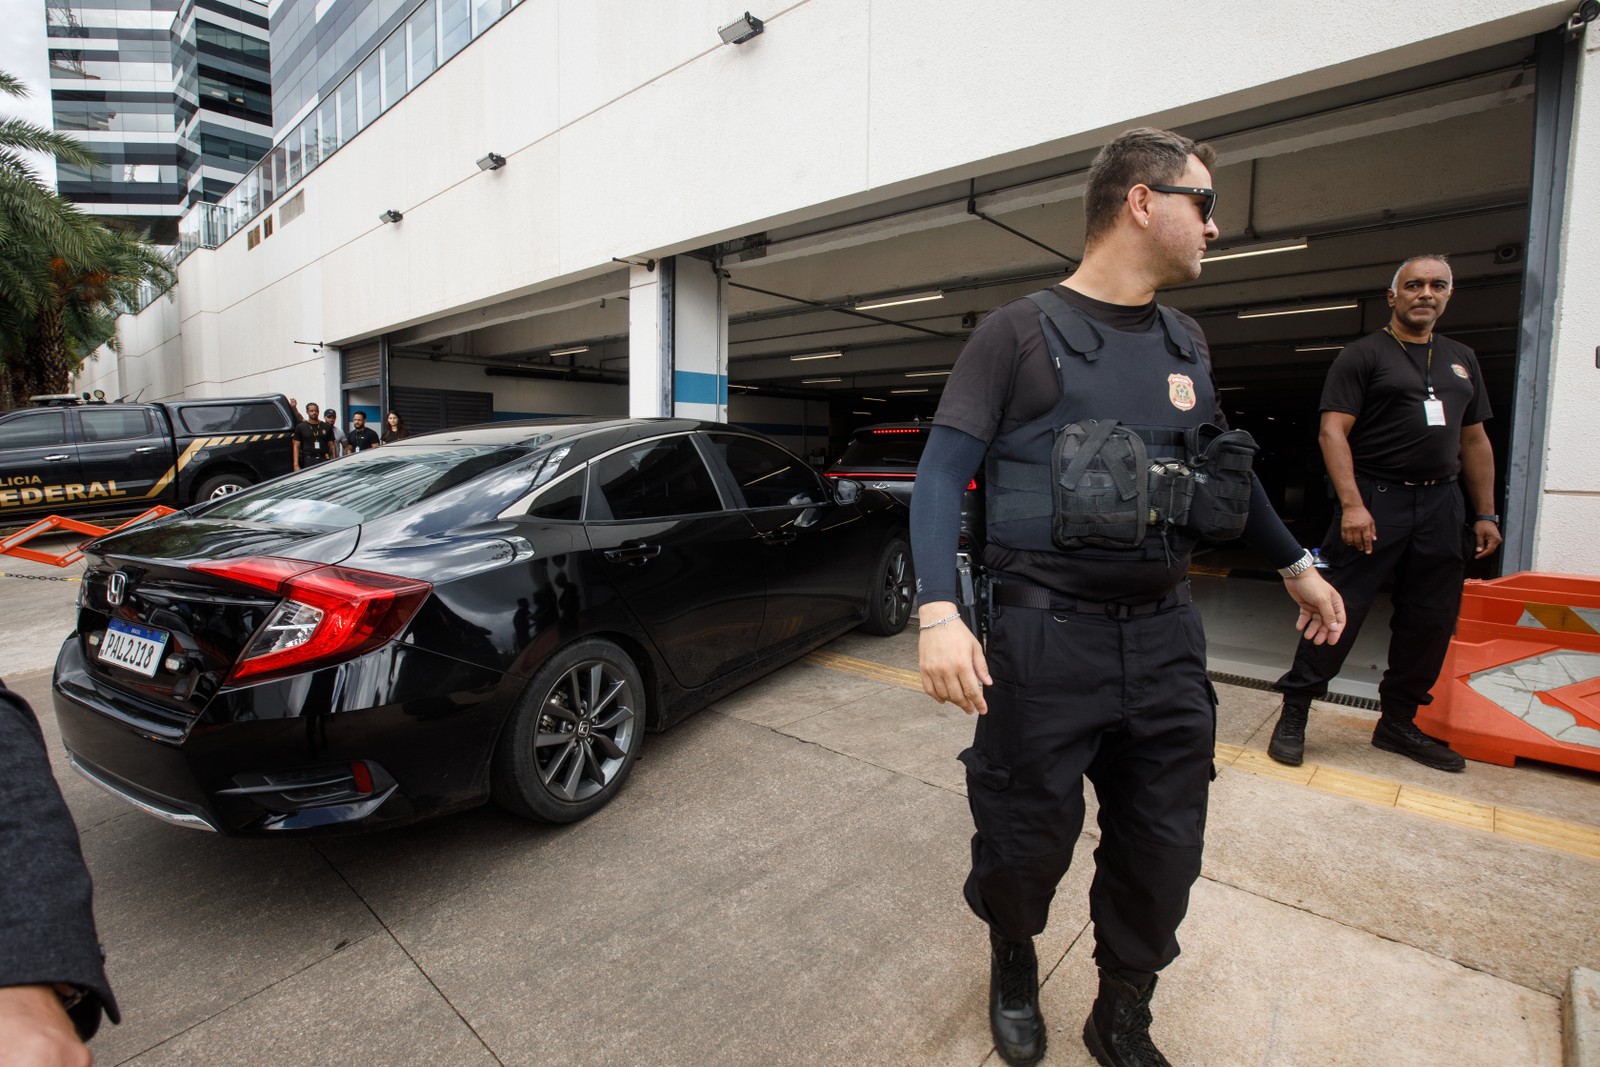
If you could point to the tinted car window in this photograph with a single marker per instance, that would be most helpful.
(113, 424)
(768, 476)
(233, 418)
(34, 430)
(365, 486)
(887, 447)
(654, 480)
(562, 502)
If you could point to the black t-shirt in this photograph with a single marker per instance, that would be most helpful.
(1005, 378)
(1383, 383)
(362, 439)
(316, 442)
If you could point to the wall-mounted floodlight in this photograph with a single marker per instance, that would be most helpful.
(741, 30)
(390, 216)
(492, 161)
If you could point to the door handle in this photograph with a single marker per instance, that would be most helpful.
(146, 448)
(779, 537)
(57, 458)
(632, 552)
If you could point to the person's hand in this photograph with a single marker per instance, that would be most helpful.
(36, 1032)
(1488, 537)
(1358, 529)
(951, 660)
(1321, 607)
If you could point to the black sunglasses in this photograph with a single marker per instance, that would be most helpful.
(1207, 205)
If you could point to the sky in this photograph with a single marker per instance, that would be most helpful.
(22, 52)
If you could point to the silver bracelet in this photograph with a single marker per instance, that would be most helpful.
(1299, 566)
(941, 622)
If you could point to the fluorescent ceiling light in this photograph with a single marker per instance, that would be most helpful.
(574, 350)
(1271, 312)
(819, 381)
(743, 388)
(815, 355)
(861, 413)
(908, 390)
(893, 301)
(927, 373)
(876, 399)
(1317, 348)
(1266, 248)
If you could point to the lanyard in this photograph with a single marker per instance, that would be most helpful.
(1427, 374)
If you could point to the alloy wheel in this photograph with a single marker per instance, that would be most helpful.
(586, 728)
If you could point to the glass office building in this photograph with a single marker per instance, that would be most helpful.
(172, 95)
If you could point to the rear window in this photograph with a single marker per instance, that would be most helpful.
(365, 486)
(889, 446)
(233, 418)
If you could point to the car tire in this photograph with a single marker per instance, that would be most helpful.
(573, 737)
(893, 587)
(222, 485)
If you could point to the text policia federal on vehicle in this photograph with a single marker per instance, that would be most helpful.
(29, 490)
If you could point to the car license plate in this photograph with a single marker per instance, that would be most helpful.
(138, 648)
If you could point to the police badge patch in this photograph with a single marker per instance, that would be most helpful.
(1461, 372)
(1180, 390)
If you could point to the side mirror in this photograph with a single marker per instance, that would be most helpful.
(846, 490)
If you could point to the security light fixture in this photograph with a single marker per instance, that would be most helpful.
(492, 161)
(741, 30)
(1267, 313)
(892, 301)
(815, 355)
(573, 351)
(390, 216)
(819, 381)
(1266, 248)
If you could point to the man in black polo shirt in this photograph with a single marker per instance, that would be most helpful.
(1097, 653)
(1402, 419)
(361, 437)
(313, 440)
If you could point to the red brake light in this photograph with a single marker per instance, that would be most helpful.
(899, 430)
(972, 486)
(328, 613)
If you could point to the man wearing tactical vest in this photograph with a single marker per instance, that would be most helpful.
(1402, 418)
(1093, 413)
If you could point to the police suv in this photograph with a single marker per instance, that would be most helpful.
(97, 460)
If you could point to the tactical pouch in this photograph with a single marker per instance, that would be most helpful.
(1100, 493)
(1172, 486)
(1222, 460)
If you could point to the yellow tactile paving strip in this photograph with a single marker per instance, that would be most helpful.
(1507, 822)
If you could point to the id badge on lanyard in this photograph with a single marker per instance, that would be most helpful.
(1433, 411)
(1432, 407)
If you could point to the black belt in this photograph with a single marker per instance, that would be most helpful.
(1014, 594)
(1425, 482)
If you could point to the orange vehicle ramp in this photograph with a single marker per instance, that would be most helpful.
(1522, 677)
(12, 545)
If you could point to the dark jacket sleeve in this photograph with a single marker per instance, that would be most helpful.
(948, 463)
(47, 933)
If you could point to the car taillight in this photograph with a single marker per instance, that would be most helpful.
(328, 613)
(972, 486)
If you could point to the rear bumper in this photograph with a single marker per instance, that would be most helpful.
(427, 744)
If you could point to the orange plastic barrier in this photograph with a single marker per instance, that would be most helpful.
(12, 546)
(1522, 677)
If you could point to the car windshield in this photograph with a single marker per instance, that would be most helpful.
(367, 485)
(886, 447)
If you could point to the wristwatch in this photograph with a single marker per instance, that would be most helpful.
(1488, 518)
(1299, 566)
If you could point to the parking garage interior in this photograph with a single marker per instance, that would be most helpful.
(855, 314)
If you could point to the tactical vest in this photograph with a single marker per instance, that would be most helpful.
(1126, 450)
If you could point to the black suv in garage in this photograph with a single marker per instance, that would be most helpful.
(885, 455)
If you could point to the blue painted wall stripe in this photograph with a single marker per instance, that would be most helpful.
(698, 387)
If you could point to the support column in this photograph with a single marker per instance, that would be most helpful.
(678, 340)
(650, 340)
(700, 342)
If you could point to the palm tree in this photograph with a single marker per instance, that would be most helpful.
(64, 276)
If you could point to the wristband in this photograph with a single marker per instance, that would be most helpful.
(941, 622)
(1299, 566)
(1488, 518)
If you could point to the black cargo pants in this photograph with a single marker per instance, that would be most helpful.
(1126, 703)
(1422, 542)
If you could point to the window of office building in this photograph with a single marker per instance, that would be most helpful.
(424, 46)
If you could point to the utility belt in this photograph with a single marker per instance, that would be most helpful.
(1425, 483)
(1107, 489)
(1014, 594)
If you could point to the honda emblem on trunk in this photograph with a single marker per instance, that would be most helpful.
(116, 588)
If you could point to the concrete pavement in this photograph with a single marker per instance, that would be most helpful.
(779, 883)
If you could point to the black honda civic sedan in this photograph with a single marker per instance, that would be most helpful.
(500, 611)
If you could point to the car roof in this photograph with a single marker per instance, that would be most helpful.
(559, 427)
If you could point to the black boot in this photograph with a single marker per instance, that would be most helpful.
(1288, 744)
(1014, 1017)
(1396, 734)
(1118, 1030)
